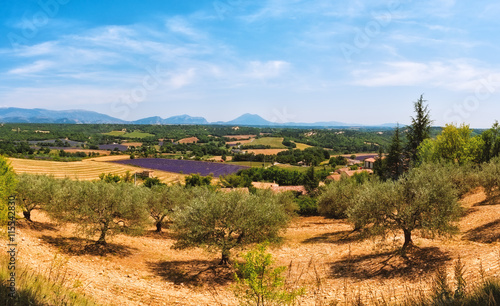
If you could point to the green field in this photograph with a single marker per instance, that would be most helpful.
(134, 134)
(250, 163)
(115, 133)
(274, 142)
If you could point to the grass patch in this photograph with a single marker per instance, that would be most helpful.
(134, 134)
(250, 163)
(115, 133)
(274, 142)
(49, 288)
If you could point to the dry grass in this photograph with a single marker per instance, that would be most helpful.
(87, 169)
(102, 152)
(266, 151)
(132, 144)
(302, 146)
(334, 264)
(189, 140)
(240, 137)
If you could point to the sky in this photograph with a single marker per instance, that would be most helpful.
(362, 62)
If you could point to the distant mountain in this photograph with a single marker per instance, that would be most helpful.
(249, 119)
(185, 119)
(182, 119)
(38, 115)
(149, 120)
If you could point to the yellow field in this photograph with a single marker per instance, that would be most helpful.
(302, 146)
(87, 169)
(266, 151)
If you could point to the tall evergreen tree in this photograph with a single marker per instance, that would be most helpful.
(419, 128)
(379, 167)
(395, 158)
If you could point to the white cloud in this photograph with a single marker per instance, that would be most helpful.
(38, 66)
(456, 75)
(267, 70)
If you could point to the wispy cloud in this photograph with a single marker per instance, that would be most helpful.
(457, 75)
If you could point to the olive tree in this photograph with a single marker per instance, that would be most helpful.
(101, 208)
(34, 191)
(424, 198)
(337, 197)
(490, 178)
(163, 199)
(223, 221)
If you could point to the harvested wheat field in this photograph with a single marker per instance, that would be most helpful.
(87, 169)
(323, 255)
(266, 151)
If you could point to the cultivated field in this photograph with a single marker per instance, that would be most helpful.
(302, 146)
(134, 134)
(274, 142)
(266, 151)
(323, 255)
(87, 169)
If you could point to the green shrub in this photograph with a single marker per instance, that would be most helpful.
(259, 283)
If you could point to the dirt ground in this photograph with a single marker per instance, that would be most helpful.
(322, 255)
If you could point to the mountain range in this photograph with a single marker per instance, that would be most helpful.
(38, 115)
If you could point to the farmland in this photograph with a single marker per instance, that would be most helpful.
(183, 166)
(88, 169)
(134, 134)
(274, 142)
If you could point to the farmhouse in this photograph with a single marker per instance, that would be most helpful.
(145, 174)
(369, 163)
(337, 176)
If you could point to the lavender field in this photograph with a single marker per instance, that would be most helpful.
(184, 166)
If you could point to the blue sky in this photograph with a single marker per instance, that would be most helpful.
(286, 60)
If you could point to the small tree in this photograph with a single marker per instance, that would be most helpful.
(164, 199)
(424, 199)
(149, 182)
(337, 197)
(34, 191)
(195, 180)
(110, 178)
(311, 182)
(224, 221)
(259, 283)
(101, 208)
(490, 178)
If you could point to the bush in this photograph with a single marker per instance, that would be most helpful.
(259, 283)
(337, 197)
(307, 206)
(490, 178)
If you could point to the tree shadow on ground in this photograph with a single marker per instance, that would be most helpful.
(469, 211)
(80, 246)
(493, 200)
(487, 233)
(37, 225)
(419, 261)
(164, 234)
(340, 237)
(193, 272)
